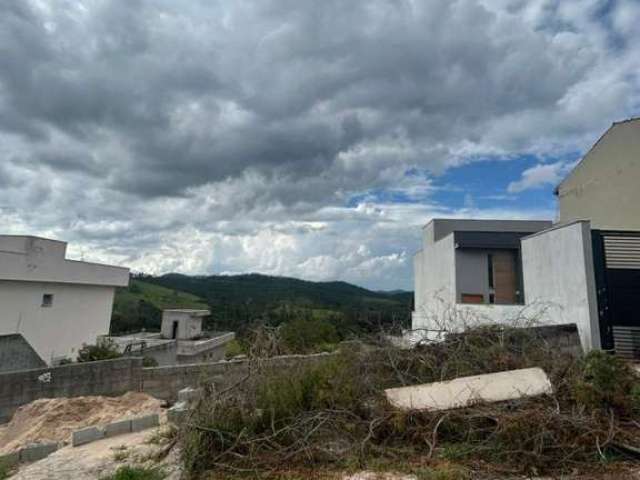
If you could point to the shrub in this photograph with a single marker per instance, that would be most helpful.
(136, 473)
(149, 362)
(5, 470)
(233, 349)
(105, 349)
(606, 381)
(305, 335)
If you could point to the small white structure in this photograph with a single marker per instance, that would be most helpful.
(182, 324)
(56, 304)
(181, 339)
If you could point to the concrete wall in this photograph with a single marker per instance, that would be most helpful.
(79, 314)
(604, 187)
(165, 382)
(439, 228)
(435, 283)
(17, 354)
(558, 273)
(111, 377)
(34, 259)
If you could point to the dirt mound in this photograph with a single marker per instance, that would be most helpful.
(54, 419)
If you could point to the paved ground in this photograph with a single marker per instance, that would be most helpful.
(95, 460)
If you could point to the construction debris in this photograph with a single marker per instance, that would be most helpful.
(467, 391)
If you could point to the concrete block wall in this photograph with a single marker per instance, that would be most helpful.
(110, 377)
(166, 382)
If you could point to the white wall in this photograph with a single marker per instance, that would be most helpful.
(78, 315)
(558, 273)
(37, 259)
(189, 324)
(435, 282)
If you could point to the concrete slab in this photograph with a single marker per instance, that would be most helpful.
(37, 451)
(117, 428)
(465, 391)
(10, 459)
(188, 394)
(86, 435)
(143, 423)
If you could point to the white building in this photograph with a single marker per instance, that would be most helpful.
(181, 339)
(585, 270)
(469, 270)
(56, 304)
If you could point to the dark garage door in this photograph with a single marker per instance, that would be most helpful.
(617, 262)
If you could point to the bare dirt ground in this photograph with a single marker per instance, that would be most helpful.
(98, 459)
(53, 419)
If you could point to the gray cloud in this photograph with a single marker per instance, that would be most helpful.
(125, 124)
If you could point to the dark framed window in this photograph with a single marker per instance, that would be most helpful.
(47, 300)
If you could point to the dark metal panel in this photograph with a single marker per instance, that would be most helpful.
(489, 240)
(606, 332)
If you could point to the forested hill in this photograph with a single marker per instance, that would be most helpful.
(238, 300)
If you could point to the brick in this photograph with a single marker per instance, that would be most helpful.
(37, 451)
(143, 423)
(117, 428)
(86, 435)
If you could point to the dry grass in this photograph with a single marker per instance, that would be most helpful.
(332, 414)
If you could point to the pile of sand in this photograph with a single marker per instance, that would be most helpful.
(53, 419)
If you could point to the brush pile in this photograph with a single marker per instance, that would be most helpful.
(333, 413)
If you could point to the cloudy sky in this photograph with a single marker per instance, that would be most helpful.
(297, 137)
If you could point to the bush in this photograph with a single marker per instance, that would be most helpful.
(136, 473)
(5, 470)
(149, 362)
(233, 349)
(105, 349)
(306, 335)
(607, 381)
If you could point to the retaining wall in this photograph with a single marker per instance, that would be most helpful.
(110, 377)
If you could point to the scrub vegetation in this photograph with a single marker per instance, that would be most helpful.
(330, 414)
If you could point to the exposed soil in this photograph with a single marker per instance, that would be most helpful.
(53, 419)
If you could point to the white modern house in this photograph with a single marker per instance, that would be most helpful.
(469, 270)
(584, 270)
(56, 304)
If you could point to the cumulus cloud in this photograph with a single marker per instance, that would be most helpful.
(277, 136)
(540, 175)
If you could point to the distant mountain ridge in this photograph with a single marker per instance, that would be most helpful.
(237, 300)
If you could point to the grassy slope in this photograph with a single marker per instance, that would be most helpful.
(140, 305)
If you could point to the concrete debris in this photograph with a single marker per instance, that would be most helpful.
(466, 391)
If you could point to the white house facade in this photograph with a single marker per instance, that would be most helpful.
(56, 304)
